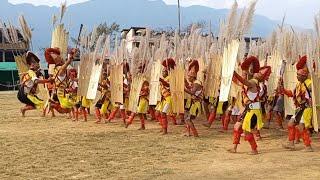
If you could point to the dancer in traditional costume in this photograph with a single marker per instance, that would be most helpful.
(195, 89)
(252, 115)
(71, 91)
(51, 89)
(249, 67)
(28, 90)
(52, 56)
(164, 108)
(142, 107)
(213, 105)
(83, 105)
(103, 105)
(143, 104)
(276, 106)
(232, 113)
(263, 96)
(303, 101)
(126, 92)
(233, 110)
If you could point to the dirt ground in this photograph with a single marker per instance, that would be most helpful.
(57, 148)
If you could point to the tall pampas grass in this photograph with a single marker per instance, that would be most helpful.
(54, 20)
(177, 47)
(317, 24)
(60, 38)
(239, 32)
(146, 45)
(231, 22)
(282, 23)
(93, 37)
(247, 23)
(221, 39)
(63, 9)
(273, 40)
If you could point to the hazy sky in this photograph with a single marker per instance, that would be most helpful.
(298, 12)
(47, 2)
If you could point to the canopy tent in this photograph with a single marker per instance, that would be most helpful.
(8, 76)
(8, 66)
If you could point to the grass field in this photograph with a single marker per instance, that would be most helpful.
(57, 148)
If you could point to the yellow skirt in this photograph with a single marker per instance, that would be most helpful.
(195, 108)
(38, 103)
(158, 106)
(219, 108)
(106, 107)
(86, 103)
(165, 105)
(212, 100)
(143, 106)
(188, 104)
(125, 103)
(246, 125)
(73, 98)
(307, 117)
(66, 102)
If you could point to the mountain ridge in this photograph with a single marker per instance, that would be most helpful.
(153, 14)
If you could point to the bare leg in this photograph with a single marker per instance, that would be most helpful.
(26, 108)
(52, 112)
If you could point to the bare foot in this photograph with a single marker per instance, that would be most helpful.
(126, 125)
(164, 132)
(23, 111)
(222, 131)
(206, 125)
(142, 128)
(232, 150)
(254, 152)
(308, 149)
(289, 146)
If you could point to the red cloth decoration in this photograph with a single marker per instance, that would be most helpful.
(252, 60)
(48, 52)
(266, 72)
(169, 63)
(302, 62)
